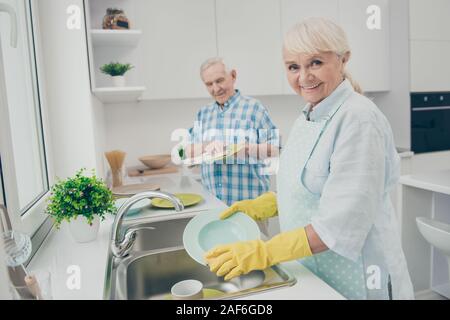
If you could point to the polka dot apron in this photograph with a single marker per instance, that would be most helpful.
(296, 207)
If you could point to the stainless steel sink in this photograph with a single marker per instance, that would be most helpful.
(158, 261)
(163, 234)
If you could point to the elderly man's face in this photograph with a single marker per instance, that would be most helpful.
(220, 84)
(314, 77)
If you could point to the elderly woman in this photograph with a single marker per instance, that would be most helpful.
(334, 178)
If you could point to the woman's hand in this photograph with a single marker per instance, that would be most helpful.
(232, 260)
(261, 208)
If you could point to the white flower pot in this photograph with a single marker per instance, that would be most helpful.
(82, 231)
(118, 81)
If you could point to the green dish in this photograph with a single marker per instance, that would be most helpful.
(188, 199)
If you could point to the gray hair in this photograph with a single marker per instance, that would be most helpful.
(314, 35)
(213, 61)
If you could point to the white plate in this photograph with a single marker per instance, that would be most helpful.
(206, 230)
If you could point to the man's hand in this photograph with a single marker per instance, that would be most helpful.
(215, 147)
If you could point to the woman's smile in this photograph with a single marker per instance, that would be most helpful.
(311, 87)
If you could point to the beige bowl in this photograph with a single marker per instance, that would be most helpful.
(156, 161)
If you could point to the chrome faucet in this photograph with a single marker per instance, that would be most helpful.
(121, 247)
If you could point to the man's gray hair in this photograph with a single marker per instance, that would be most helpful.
(212, 61)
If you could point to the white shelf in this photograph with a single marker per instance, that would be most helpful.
(118, 94)
(102, 37)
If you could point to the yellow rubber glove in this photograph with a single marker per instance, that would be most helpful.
(238, 258)
(260, 208)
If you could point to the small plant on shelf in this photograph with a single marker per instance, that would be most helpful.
(115, 69)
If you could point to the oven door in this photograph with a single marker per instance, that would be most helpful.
(430, 128)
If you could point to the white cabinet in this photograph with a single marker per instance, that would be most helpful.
(293, 11)
(176, 36)
(429, 20)
(179, 36)
(366, 23)
(430, 66)
(430, 45)
(248, 36)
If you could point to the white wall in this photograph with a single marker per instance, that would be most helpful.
(71, 114)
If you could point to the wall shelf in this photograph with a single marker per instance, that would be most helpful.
(102, 37)
(118, 94)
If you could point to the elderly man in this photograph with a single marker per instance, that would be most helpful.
(232, 120)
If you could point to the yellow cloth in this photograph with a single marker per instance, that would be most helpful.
(238, 258)
(260, 208)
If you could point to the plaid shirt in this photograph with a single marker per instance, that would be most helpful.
(241, 118)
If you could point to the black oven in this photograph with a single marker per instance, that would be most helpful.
(430, 122)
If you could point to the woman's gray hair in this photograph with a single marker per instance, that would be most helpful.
(315, 35)
(213, 61)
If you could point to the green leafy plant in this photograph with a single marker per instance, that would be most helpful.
(80, 195)
(116, 68)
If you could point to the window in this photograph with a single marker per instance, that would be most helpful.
(23, 147)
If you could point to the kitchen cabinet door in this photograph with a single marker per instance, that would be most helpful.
(178, 36)
(429, 45)
(429, 20)
(430, 66)
(366, 23)
(249, 38)
(293, 11)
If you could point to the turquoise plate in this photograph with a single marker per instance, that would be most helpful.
(206, 230)
(136, 208)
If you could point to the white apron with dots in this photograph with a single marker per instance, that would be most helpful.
(296, 207)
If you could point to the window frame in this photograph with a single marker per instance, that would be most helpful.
(34, 218)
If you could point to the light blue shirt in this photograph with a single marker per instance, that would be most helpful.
(242, 119)
(353, 168)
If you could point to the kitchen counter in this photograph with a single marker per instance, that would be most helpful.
(438, 181)
(78, 269)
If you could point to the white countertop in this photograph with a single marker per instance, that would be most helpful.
(65, 258)
(437, 181)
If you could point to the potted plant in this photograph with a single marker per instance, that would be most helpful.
(81, 200)
(116, 70)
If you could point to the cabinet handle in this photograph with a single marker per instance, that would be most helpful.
(431, 108)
